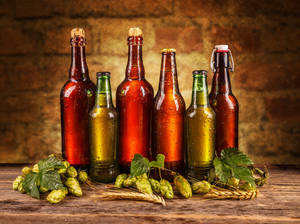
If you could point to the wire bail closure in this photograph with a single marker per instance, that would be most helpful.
(212, 62)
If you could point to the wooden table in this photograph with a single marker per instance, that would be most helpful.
(278, 202)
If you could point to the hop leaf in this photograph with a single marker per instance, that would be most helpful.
(51, 180)
(233, 163)
(160, 161)
(30, 184)
(50, 163)
(139, 165)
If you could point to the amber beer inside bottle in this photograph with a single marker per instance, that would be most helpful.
(76, 99)
(134, 99)
(168, 115)
(223, 101)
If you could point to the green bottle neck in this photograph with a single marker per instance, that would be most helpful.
(103, 92)
(200, 92)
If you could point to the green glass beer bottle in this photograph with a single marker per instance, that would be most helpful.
(103, 123)
(200, 121)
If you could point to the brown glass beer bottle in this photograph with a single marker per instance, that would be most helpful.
(222, 100)
(168, 115)
(134, 99)
(76, 99)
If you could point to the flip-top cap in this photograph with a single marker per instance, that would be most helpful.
(99, 74)
(77, 32)
(221, 48)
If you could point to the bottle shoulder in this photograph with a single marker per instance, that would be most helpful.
(224, 101)
(103, 112)
(202, 111)
(169, 102)
(135, 88)
(71, 88)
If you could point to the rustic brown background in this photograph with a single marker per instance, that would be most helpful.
(263, 36)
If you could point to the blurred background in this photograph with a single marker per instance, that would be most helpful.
(262, 35)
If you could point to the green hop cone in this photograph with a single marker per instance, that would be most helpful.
(43, 190)
(20, 187)
(120, 179)
(35, 168)
(155, 185)
(26, 170)
(71, 171)
(183, 186)
(82, 176)
(166, 189)
(247, 187)
(17, 182)
(143, 185)
(64, 170)
(143, 176)
(130, 182)
(73, 186)
(201, 187)
(66, 164)
(56, 196)
(234, 182)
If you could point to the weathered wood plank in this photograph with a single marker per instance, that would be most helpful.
(278, 202)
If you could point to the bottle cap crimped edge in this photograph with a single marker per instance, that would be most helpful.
(99, 74)
(168, 50)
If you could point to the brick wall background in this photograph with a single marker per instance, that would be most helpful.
(263, 36)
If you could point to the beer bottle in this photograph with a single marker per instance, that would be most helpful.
(103, 125)
(134, 99)
(200, 121)
(222, 100)
(168, 115)
(76, 98)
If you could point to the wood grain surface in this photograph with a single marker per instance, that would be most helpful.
(278, 202)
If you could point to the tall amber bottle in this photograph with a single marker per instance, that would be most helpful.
(103, 123)
(134, 99)
(200, 122)
(76, 99)
(168, 115)
(222, 100)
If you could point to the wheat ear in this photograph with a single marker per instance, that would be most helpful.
(131, 196)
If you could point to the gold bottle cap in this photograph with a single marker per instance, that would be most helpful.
(135, 32)
(168, 50)
(77, 32)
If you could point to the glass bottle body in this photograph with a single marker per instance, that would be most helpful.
(103, 123)
(134, 98)
(200, 130)
(168, 116)
(224, 104)
(76, 98)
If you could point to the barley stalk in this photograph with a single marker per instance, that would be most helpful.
(221, 193)
(119, 195)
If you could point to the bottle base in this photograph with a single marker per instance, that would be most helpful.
(103, 172)
(200, 173)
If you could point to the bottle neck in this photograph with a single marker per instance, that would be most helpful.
(103, 92)
(135, 66)
(200, 92)
(168, 73)
(221, 81)
(78, 70)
